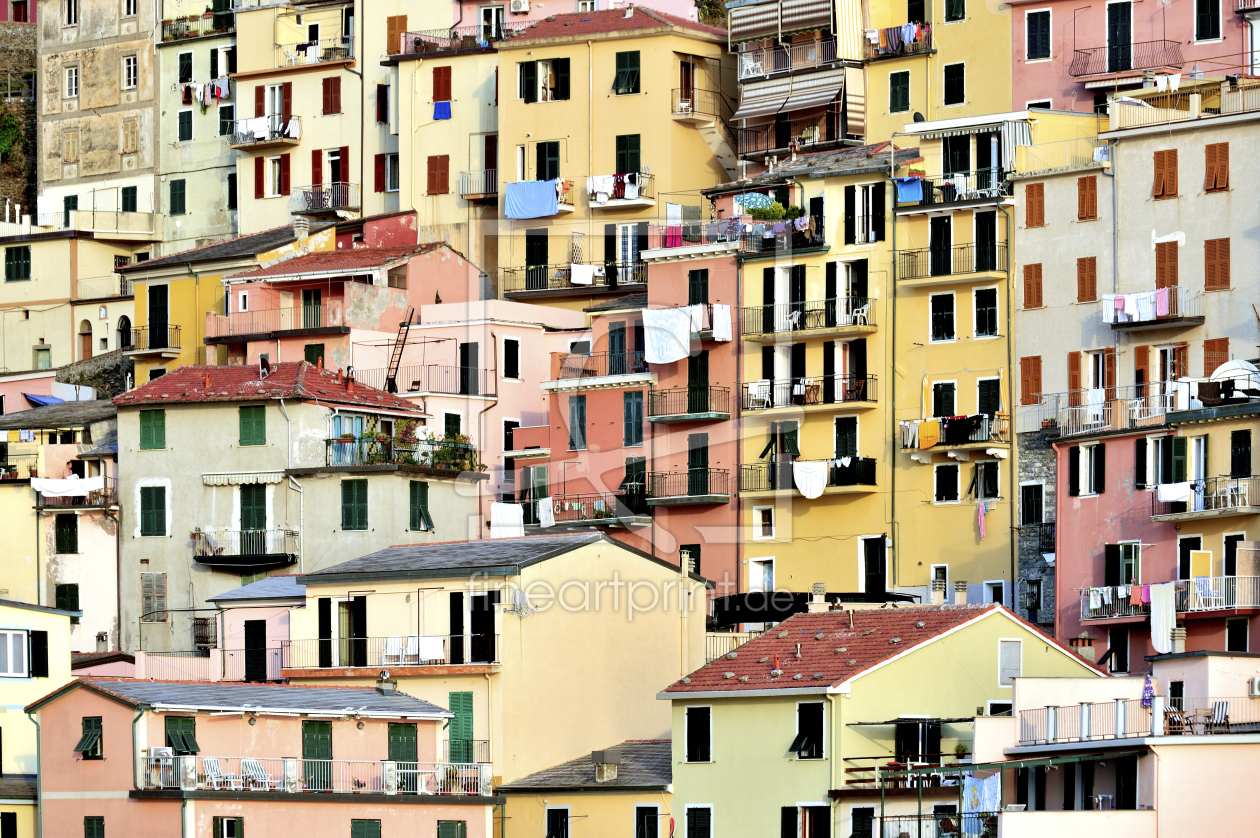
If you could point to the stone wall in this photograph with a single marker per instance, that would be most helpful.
(17, 110)
(107, 373)
(1037, 465)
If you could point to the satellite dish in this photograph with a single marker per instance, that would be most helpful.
(1244, 374)
(264, 366)
(918, 117)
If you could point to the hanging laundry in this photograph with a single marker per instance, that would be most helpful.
(1106, 594)
(546, 514)
(507, 520)
(722, 330)
(441, 110)
(1095, 599)
(1161, 302)
(1163, 616)
(810, 477)
(1135, 596)
(981, 509)
(667, 333)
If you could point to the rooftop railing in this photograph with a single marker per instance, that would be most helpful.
(1121, 58)
(297, 776)
(267, 320)
(955, 260)
(777, 475)
(684, 401)
(1087, 722)
(767, 394)
(434, 378)
(107, 496)
(337, 48)
(398, 650)
(1212, 495)
(1063, 154)
(574, 365)
(210, 23)
(458, 38)
(721, 643)
(808, 315)
(324, 197)
(694, 482)
(446, 455)
(982, 184)
(153, 339)
(100, 287)
(786, 58)
(1218, 593)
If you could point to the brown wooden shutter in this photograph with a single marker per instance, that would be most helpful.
(1086, 279)
(1109, 373)
(1222, 165)
(380, 172)
(394, 28)
(327, 102)
(1170, 173)
(1142, 364)
(441, 84)
(1083, 209)
(1030, 379)
(430, 182)
(1166, 264)
(1181, 351)
(444, 173)
(260, 100)
(1157, 190)
(1074, 379)
(343, 164)
(1215, 353)
(1091, 188)
(286, 101)
(284, 174)
(1035, 208)
(317, 168)
(1032, 286)
(1036, 375)
(336, 89)
(1209, 167)
(332, 95)
(1216, 264)
(260, 178)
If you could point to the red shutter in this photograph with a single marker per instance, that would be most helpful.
(317, 168)
(1222, 262)
(1142, 363)
(441, 84)
(336, 95)
(430, 182)
(1074, 379)
(1222, 165)
(260, 100)
(1109, 373)
(1170, 172)
(380, 172)
(284, 174)
(260, 178)
(1157, 190)
(286, 101)
(343, 166)
(1032, 286)
(444, 174)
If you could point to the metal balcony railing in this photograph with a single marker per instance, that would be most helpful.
(205, 632)
(324, 197)
(785, 236)
(965, 430)
(398, 650)
(448, 455)
(257, 130)
(1041, 416)
(786, 58)
(1218, 593)
(1243, 6)
(982, 184)
(337, 48)
(1181, 303)
(268, 320)
(894, 45)
(98, 498)
(1041, 536)
(100, 287)
(1114, 408)
(217, 544)
(601, 364)
(1086, 722)
(644, 186)
(479, 182)
(777, 475)
(197, 26)
(767, 394)
(559, 277)
(19, 466)
(251, 664)
(821, 133)
(435, 378)
(297, 776)
(1096, 606)
(1063, 154)
(194, 665)
(150, 339)
(1121, 58)
(809, 315)
(693, 482)
(683, 401)
(956, 260)
(594, 508)
(466, 750)
(458, 38)
(694, 100)
(933, 824)
(1212, 495)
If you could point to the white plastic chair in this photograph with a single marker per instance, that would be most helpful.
(393, 651)
(412, 653)
(256, 777)
(759, 394)
(216, 777)
(860, 315)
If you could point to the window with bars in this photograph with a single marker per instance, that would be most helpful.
(1215, 353)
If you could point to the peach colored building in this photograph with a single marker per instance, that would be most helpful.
(156, 758)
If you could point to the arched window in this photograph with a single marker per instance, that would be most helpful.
(85, 340)
(124, 332)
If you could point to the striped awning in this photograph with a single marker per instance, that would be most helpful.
(805, 15)
(237, 478)
(815, 89)
(752, 23)
(958, 132)
(762, 98)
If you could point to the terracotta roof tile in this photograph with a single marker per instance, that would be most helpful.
(195, 383)
(349, 261)
(582, 24)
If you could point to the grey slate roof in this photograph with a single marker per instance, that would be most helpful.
(626, 303)
(64, 415)
(645, 765)
(273, 587)
(106, 446)
(18, 787)
(237, 248)
(852, 160)
(500, 556)
(220, 696)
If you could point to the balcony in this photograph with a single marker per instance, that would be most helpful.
(693, 486)
(265, 132)
(600, 371)
(1165, 308)
(1118, 609)
(814, 318)
(858, 475)
(698, 106)
(595, 509)
(787, 58)
(1040, 536)
(983, 185)
(1205, 594)
(689, 404)
(1242, 7)
(452, 455)
(1087, 722)
(528, 199)
(806, 133)
(975, 431)
(609, 192)
(322, 51)
(251, 665)
(828, 392)
(267, 323)
(434, 378)
(894, 46)
(458, 38)
(1108, 410)
(324, 198)
(18, 467)
(778, 238)
(314, 776)
(245, 550)
(113, 224)
(936, 265)
(146, 340)
(1211, 497)
(718, 644)
(479, 185)
(102, 498)
(397, 651)
(104, 287)
(1141, 55)
(557, 280)
(194, 26)
(1060, 156)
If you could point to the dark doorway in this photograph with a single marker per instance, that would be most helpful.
(255, 650)
(481, 622)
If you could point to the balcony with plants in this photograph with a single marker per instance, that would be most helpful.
(449, 453)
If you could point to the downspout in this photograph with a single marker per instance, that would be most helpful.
(39, 587)
(833, 757)
(118, 575)
(135, 777)
(738, 318)
(293, 482)
(494, 355)
(196, 297)
(1010, 410)
(39, 779)
(892, 375)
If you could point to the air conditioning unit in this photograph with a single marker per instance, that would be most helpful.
(1253, 687)
(520, 6)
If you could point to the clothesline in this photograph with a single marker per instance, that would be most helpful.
(894, 40)
(1136, 307)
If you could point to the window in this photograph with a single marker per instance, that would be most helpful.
(955, 10)
(986, 313)
(1118, 648)
(989, 396)
(1010, 661)
(627, 78)
(129, 8)
(1215, 264)
(985, 481)
(67, 598)
(1236, 635)
(1032, 286)
(699, 734)
(392, 177)
(17, 263)
(627, 154)
(279, 176)
(181, 734)
(1035, 205)
(955, 85)
(94, 826)
(543, 81)
(942, 306)
(1087, 279)
(557, 822)
(421, 520)
(231, 190)
(153, 597)
(1087, 469)
(71, 89)
(699, 822)
(1037, 35)
(441, 84)
(227, 827)
(899, 91)
(1087, 198)
(763, 522)
(152, 511)
(1166, 264)
(1031, 504)
(863, 821)
(946, 475)
(452, 829)
(438, 174)
(370, 829)
(943, 398)
(1240, 453)
(185, 68)
(808, 743)
(13, 654)
(1042, 104)
(129, 72)
(451, 424)
(647, 819)
(128, 196)
(152, 430)
(1165, 174)
(130, 136)
(382, 103)
(66, 527)
(395, 26)
(43, 358)
(253, 424)
(1216, 167)
(547, 161)
(178, 202)
(577, 423)
(354, 505)
(632, 415)
(71, 16)
(89, 745)
(511, 358)
(332, 95)
(1215, 353)
(1207, 20)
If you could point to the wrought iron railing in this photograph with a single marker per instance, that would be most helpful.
(682, 401)
(251, 664)
(337, 48)
(434, 378)
(1041, 536)
(296, 776)
(777, 475)
(151, 339)
(267, 320)
(215, 544)
(602, 363)
(106, 496)
(962, 186)
(608, 275)
(821, 134)
(1212, 495)
(767, 394)
(1103, 603)
(643, 186)
(1140, 55)
(448, 455)
(457, 38)
(697, 101)
(593, 507)
(809, 315)
(1218, 593)
(965, 430)
(324, 197)
(479, 182)
(786, 58)
(1114, 408)
(398, 650)
(693, 482)
(954, 260)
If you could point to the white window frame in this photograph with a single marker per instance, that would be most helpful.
(1194, 11)
(1028, 105)
(6, 636)
(756, 524)
(151, 482)
(585, 6)
(909, 81)
(861, 556)
(952, 381)
(70, 82)
(932, 577)
(988, 595)
(519, 365)
(863, 227)
(192, 66)
(70, 13)
(687, 811)
(953, 296)
(1086, 487)
(1049, 57)
(129, 8)
(273, 177)
(686, 727)
(1042, 485)
(568, 815)
(242, 303)
(393, 176)
(191, 122)
(231, 122)
(1007, 703)
(797, 724)
(1002, 640)
(761, 562)
(958, 483)
(996, 378)
(647, 804)
(520, 161)
(1135, 561)
(979, 482)
(130, 79)
(975, 322)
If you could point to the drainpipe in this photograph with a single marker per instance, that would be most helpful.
(295, 485)
(835, 739)
(892, 365)
(494, 355)
(39, 779)
(1010, 430)
(118, 574)
(135, 780)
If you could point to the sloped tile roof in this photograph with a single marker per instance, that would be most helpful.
(345, 261)
(280, 586)
(299, 380)
(645, 765)
(236, 248)
(582, 24)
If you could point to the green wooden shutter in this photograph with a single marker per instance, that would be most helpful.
(402, 743)
(253, 506)
(152, 430)
(460, 729)
(561, 66)
(529, 82)
(420, 518)
(452, 829)
(316, 740)
(1179, 459)
(365, 829)
(152, 510)
(66, 527)
(253, 421)
(354, 513)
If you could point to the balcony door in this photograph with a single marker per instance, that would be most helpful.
(686, 81)
(469, 385)
(404, 751)
(491, 23)
(253, 532)
(352, 631)
(317, 755)
(698, 382)
(481, 622)
(255, 650)
(875, 566)
(158, 316)
(1119, 37)
(940, 243)
(535, 259)
(312, 308)
(617, 348)
(697, 464)
(986, 241)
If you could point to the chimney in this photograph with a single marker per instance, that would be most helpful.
(102, 642)
(1083, 646)
(301, 227)
(960, 593)
(1179, 640)
(385, 686)
(606, 763)
(818, 599)
(938, 591)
